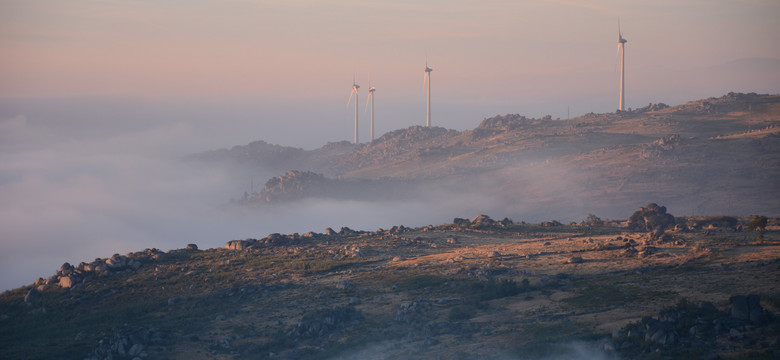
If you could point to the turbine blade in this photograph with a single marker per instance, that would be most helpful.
(350, 96)
(368, 98)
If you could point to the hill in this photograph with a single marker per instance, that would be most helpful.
(711, 156)
(478, 288)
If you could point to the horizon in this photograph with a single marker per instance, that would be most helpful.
(284, 67)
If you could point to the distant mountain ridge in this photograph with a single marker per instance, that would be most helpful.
(717, 154)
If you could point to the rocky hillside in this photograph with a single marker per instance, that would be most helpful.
(687, 288)
(712, 156)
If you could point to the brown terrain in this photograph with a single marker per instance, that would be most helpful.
(704, 288)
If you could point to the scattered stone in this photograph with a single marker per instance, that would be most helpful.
(575, 260)
(322, 322)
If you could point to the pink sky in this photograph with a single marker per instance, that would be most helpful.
(482, 52)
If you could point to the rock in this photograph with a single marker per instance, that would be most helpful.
(575, 260)
(321, 322)
(329, 232)
(398, 258)
(651, 218)
(343, 285)
(461, 222)
(116, 261)
(135, 349)
(31, 295)
(739, 307)
(66, 282)
(240, 244)
(172, 300)
(192, 247)
(746, 308)
(482, 221)
(551, 223)
(494, 254)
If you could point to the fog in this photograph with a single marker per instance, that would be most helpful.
(87, 178)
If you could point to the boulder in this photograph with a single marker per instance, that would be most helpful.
(31, 296)
(135, 349)
(746, 308)
(481, 221)
(240, 244)
(461, 222)
(66, 282)
(192, 247)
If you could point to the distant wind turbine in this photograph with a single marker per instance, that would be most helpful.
(427, 78)
(622, 51)
(354, 91)
(370, 97)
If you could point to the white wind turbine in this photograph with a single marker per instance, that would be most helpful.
(370, 97)
(622, 51)
(427, 78)
(354, 91)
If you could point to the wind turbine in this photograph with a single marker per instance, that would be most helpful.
(427, 78)
(622, 51)
(370, 97)
(354, 91)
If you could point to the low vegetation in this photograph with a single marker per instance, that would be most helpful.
(473, 288)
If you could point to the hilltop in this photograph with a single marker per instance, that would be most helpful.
(482, 288)
(711, 156)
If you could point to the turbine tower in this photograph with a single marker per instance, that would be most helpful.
(622, 51)
(370, 97)
(427, 78)
(354, 91)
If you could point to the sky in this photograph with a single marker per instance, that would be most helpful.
(100, 99)
(289, 65)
